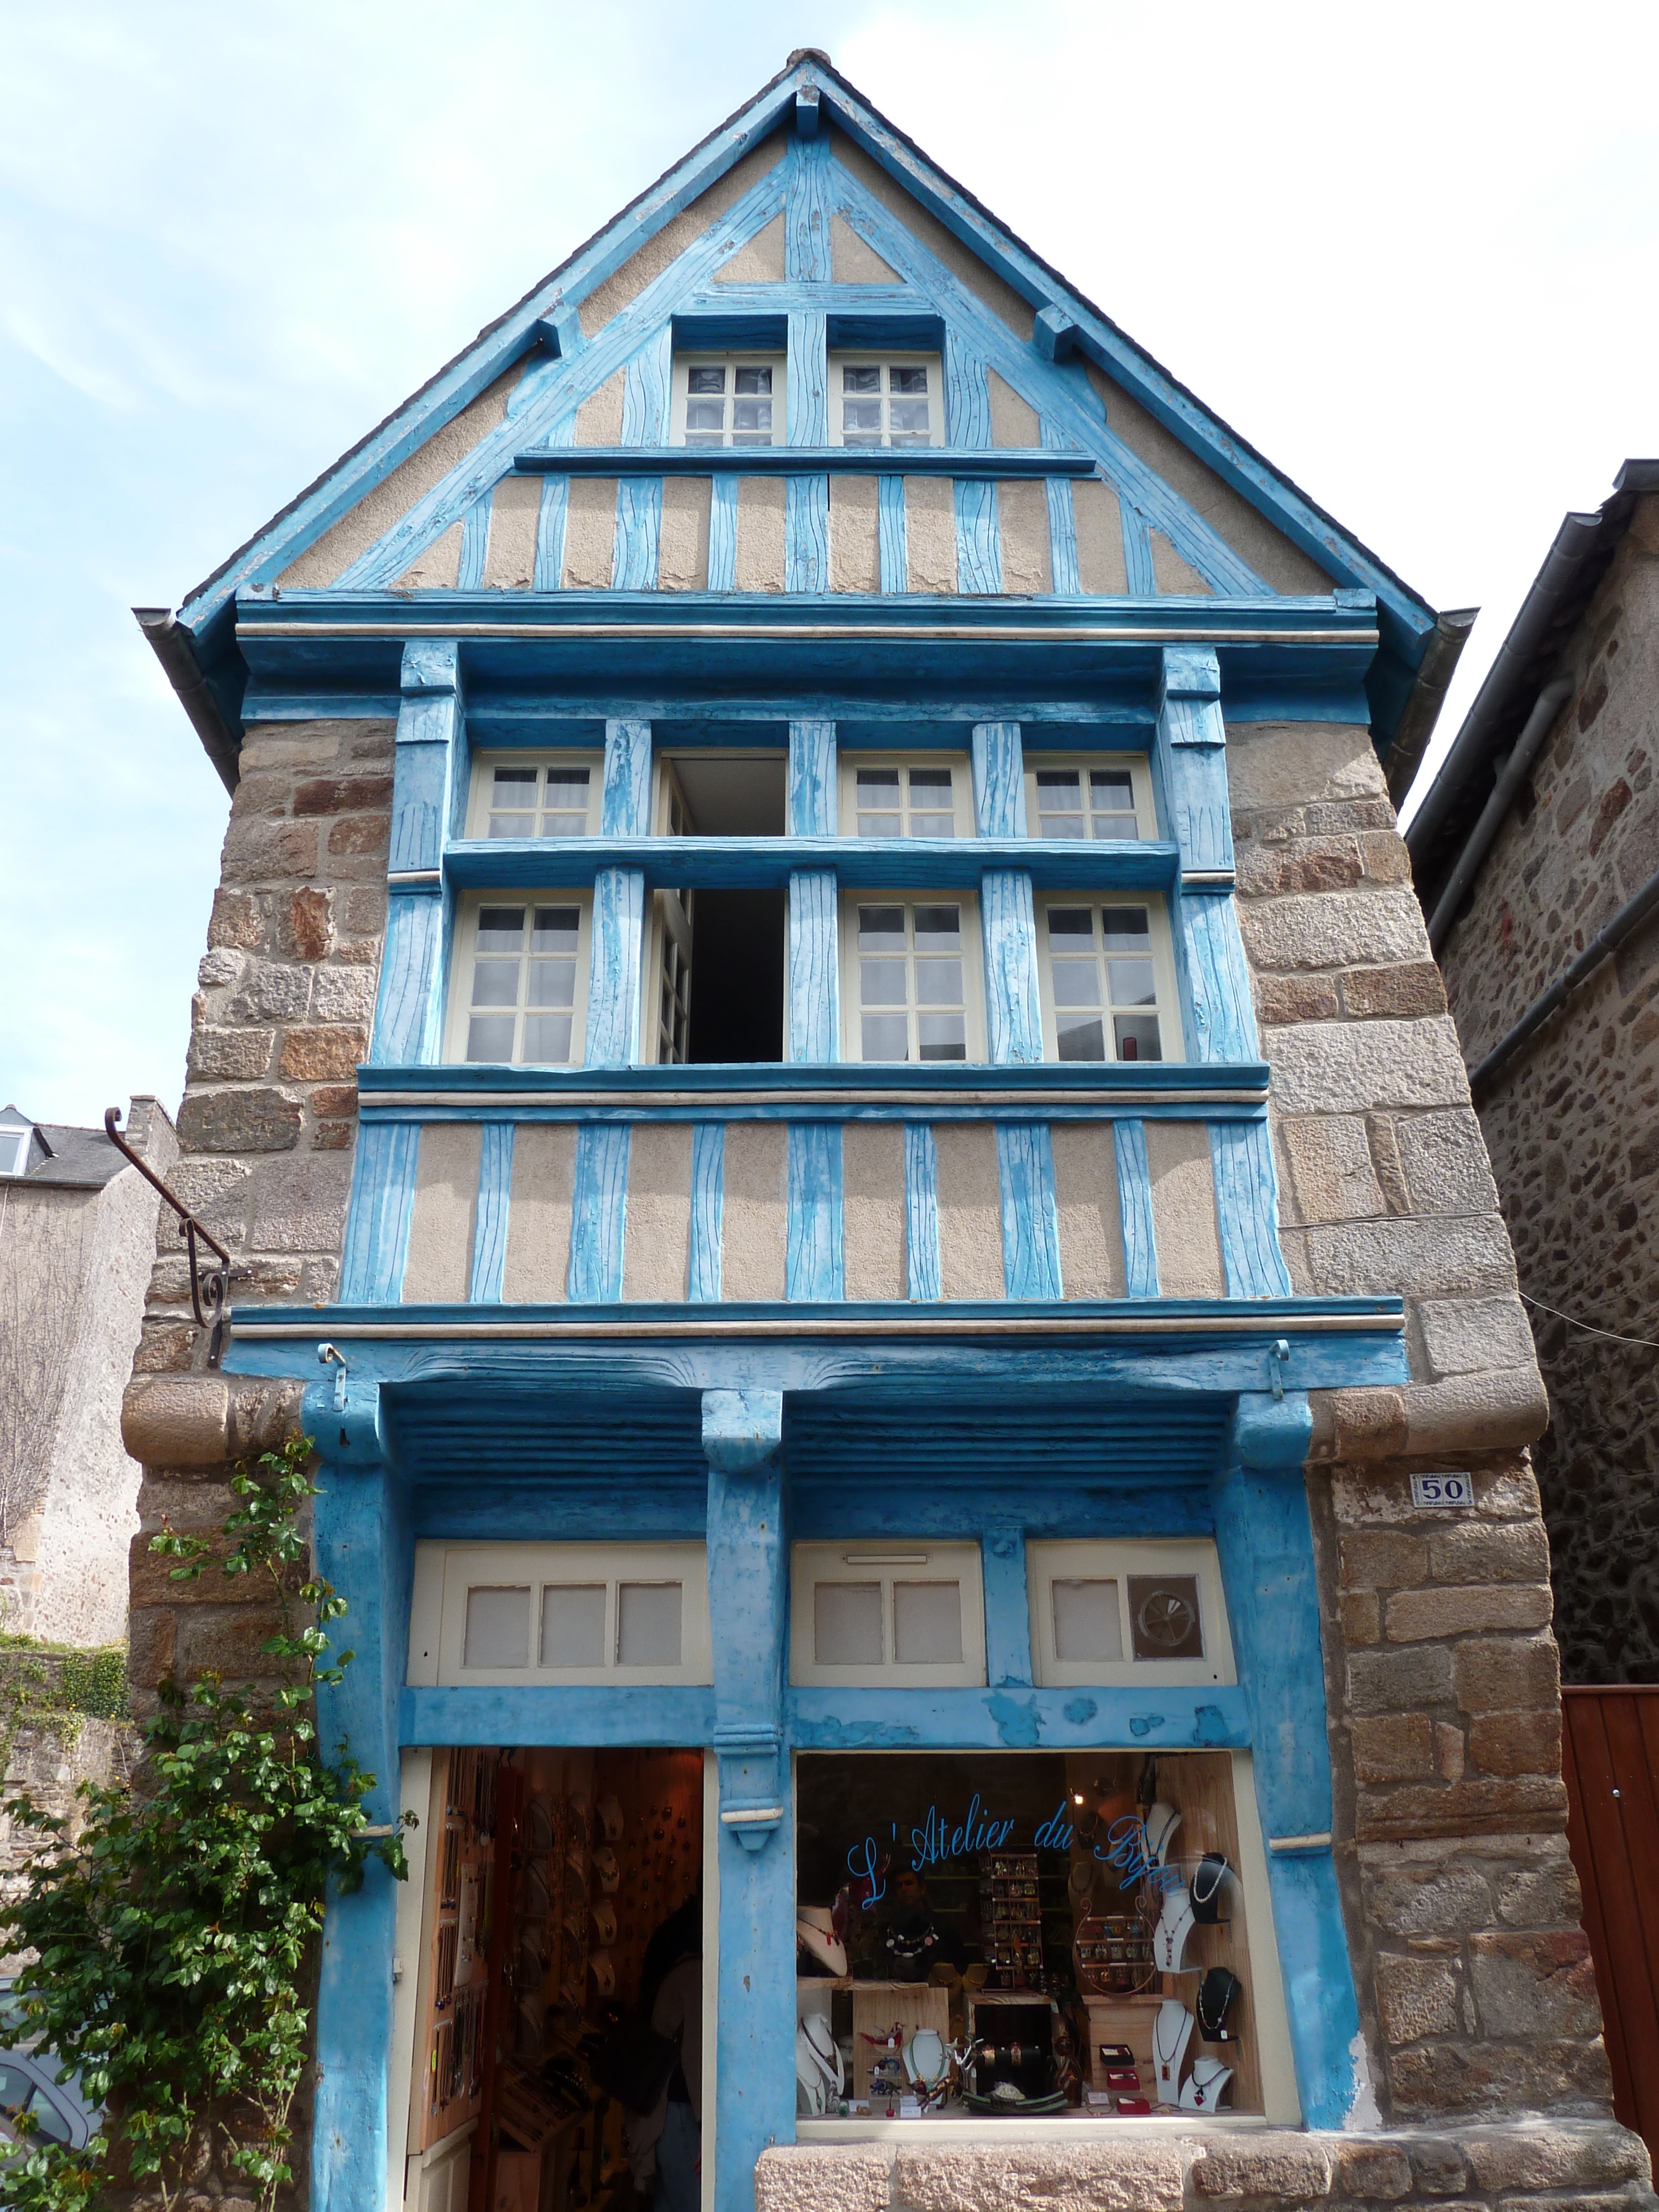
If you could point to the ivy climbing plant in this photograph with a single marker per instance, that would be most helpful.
(174, 1928)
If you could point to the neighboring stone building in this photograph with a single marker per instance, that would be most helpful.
(77, 1245)
(1067, 1186)
(1536, 852)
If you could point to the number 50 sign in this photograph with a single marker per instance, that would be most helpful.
(1443, 1490)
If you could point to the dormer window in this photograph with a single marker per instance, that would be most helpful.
(729, 399)
(894, 400)
(17, 1138)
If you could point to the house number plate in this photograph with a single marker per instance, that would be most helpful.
(1443, 1490)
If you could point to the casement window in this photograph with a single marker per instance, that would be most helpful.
(1108, 980)
(519, 993)
(1105, 797)
(668, 1013)
(879, 1613)
(15, 1144)
(729, 399)
(918, 994)
(538, 796)
(929, 797)
(1126, 1611)
(886, 399)
(547, 1614)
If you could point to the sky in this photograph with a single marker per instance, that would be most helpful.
(1410, 254)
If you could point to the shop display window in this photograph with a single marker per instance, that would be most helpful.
(551, 1613)
(1033, 1936)
(875, 1615)
(1126, 1611)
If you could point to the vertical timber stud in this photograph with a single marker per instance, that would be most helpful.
(814, 1024)
(1266, 1545)
(1191, 767)
(1008, 919)
(618, 934)
(428, 790)
(806, 261)
(748, 1568)
(365, 1547)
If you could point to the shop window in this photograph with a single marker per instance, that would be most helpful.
(1126, 1612)
(536, 795)
(1043, 1935)
(917, 994)
(1108, 980)
(928, 797)
(890, 399)
(549, 1613)
(1109, 796)
(520, 990)
(729, 399)
(903, 1616)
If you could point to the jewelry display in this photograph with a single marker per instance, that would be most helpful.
(1208, 1883)
(1169, 1936)
(1134, 2107)
(1205, 2086)
(1116, 2054)
(1172, 2031)
(610, 1819)
(1161, 1823)
(1216, 1994)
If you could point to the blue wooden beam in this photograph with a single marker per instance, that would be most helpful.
(428, 799)
(1013, 1717)
(987, 466)
(1054, 333)
(605, 1718)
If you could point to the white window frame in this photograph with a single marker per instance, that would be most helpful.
(484, 766)
(16, 1146)
(1140, 776)
(1168, 1003)
(445, 1573)
(962, 794)
(1116, 1559)
(973, 971)
(887, 1560)
(886, 360)
(747, 358)
(464, 956)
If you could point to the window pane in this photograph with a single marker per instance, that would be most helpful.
(881, 929)
(497, 1628)
(933, 825)
(48, 2120)
(512, 825)
(934, 783)
(1164, 1619)
(907, 439)
(707, 380)
(881, 983)
(547, 1040)
(1077, 983)
(507, 782)
(886, 1036)
(1072, 928)
(704, 438)
(909, 417)
(879, 826)
(648, 1624)
(1125, 929)
(757, 378)
(501, 929)
(565, 825)
(927, 1624)
(941, 1037)
(938, 982)
(552, 983)
(1081, 1036)
(495, 982)
(860, 379)
(846, 1624)
(938, 929)
(705, 414)
(1132, 983)
(573, 1624)
(751, 415)
(907, 379)
(489, 1036)
(861, 415)
(1087, 1626)
(566, 786)
(555, 929)
(1060, 786)
(1138, 1038)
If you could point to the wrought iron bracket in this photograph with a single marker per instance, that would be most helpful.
(209, 1287)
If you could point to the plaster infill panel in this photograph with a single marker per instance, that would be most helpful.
(625, 284)
(1022, 522)
(872, 1210)
(759, 260)
(854, 534)
(964, 264)
(1171, 574)
(682, 543)
(759, 565)
(1185, 1231)
(930, 533)
(514, 517)
(538, 1264)
(853, 262)
(657, 1239)
(1013, 419)
(755, 1212)
(1086, 1211)
(438, 567)
(590, 534)
(1097, 521)
(970, 1195)
(600, 417)
(438, 1269)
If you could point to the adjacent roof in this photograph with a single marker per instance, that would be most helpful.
(83, 1158)
(1530, 657)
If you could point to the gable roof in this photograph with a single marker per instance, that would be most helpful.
(545, 334)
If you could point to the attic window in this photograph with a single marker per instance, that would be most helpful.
(891, 400)
(729, 399)
(14, 1143)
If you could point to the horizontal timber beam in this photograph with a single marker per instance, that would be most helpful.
(1013, 461)
(768, 863)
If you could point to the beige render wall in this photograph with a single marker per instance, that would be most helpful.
(1571, 1123)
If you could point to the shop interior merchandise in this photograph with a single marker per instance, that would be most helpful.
(547, 1874)
(1020, 1934)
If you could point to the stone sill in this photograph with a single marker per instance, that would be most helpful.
(827, 2134)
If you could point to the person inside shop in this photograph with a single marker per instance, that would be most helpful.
(913, 1942)
(664, 2145)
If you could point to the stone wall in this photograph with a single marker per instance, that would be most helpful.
(1476, 1990)
(1570, 1123)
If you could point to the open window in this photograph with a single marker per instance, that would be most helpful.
(518, 993)
(715, 959)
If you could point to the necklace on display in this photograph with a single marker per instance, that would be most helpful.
(1212, 1871)
(1172, 2028)
(1216, 1994)
(1169, 1936)
(1205, 2085)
